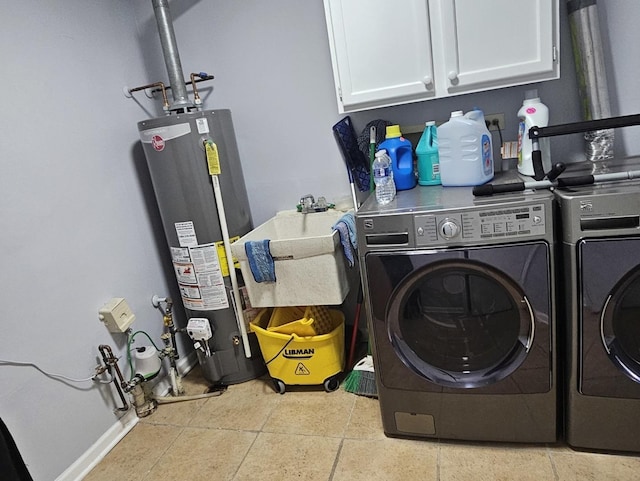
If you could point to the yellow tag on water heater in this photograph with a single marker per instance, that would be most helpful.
(213, 160)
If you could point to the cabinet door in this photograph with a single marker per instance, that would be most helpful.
(494, 43)
(380, 52)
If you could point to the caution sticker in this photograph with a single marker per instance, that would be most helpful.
(222, 254)
(213, 160)
(301, 370)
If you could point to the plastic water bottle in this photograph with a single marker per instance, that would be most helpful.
(383, 178)
(533, 113)
(427, 153)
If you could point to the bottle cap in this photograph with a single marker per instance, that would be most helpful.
(393, 131)
(531, 94)
(381, 152)
(457, 113)
(429, 123)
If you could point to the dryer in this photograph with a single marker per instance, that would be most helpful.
(601, 250)
(459, 296)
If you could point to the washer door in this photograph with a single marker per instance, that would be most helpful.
(477, 319)
(460, 323)
(620, 325)
(608, 328)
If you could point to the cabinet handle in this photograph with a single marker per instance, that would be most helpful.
(453, 75)
(428, 82)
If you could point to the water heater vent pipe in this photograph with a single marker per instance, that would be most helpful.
(592, 79)
(181, 100)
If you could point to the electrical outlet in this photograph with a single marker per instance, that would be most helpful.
(491, 119)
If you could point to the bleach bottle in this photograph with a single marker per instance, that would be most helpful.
(427, 153)
(533, 113)
(465, 150)
(400, 151)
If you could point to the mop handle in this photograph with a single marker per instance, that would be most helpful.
(535, 133)
(585, 126)
(577, 180)
(596, 178)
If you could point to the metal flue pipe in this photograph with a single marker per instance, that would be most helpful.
(592, 78)
(171, 56)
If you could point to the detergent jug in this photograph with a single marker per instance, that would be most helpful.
(465, 150)
(427, 153)
(533, 113)
(400, 151)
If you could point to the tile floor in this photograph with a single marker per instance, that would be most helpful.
(252, 433)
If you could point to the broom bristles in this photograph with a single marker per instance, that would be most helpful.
(361, 383)
(362, 379)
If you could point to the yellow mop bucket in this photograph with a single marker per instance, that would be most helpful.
(309, 321)
(301, 360)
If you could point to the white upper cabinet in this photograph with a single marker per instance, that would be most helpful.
(381, 54)
(389, 53)
(488, 44)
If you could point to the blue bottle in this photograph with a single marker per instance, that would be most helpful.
(400, 151)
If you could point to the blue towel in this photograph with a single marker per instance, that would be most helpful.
(346, 227)
(260, 261)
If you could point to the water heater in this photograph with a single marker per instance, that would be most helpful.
(175, 149)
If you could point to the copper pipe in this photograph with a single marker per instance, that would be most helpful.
(163, 89)
(193, 80)
(112, 362)
(193, 76)
(196, 97)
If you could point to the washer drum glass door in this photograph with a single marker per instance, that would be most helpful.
(463, 318)
(609, 323)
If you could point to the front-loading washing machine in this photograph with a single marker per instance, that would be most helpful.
(601, 250)
(459, 295)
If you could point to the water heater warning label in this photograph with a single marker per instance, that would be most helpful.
(200, 279)
(202, 125)
(186, 234)
(185, 273)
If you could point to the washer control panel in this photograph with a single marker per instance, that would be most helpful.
(480, 225)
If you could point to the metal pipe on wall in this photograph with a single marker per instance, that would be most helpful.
(592, 79)
(171, 56)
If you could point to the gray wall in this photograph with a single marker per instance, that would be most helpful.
(272, 67)
(80, 223)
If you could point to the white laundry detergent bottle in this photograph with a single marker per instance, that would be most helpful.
(533, 113)
(465, 149)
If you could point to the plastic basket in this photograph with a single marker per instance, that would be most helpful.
(302, 360)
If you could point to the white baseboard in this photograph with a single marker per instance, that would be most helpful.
(96, 453)
(78, 470)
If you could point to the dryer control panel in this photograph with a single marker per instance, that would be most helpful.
(480, 225)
